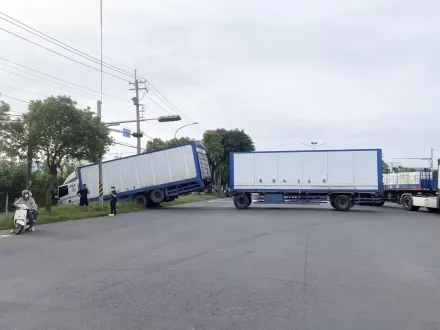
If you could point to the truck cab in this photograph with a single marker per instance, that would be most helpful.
(67, 193)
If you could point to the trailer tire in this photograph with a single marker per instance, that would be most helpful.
(242, 201)
(342, 203)
(140, 199)
(157, 196)
(432, 210)
(407, 204)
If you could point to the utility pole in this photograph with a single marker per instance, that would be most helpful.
(29, 165)
(138, 135)
(101, 195)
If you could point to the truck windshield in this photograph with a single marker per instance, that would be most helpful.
(63, 191)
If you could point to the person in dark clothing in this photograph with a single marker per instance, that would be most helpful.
(82, 193)
(113, 200)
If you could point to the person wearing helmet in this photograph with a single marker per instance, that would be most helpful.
(26, 198)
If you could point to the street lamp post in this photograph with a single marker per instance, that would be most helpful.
(313, 144)
(175, 134)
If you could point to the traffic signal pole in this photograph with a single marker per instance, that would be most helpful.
(136, 103)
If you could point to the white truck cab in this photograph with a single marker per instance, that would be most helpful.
(67, 193)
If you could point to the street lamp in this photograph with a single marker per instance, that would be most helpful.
(175, 134)
(313, 144)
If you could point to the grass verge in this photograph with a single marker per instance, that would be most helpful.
(75, 212)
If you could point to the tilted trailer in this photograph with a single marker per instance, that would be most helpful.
(341, 177)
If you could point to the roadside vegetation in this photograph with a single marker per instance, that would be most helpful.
(75, 212)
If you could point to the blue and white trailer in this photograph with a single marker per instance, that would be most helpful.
(152, 177)
(342, 177)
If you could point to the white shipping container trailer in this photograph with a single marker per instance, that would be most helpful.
(342, 177)
(151, 177)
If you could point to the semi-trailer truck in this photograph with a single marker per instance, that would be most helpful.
(413, 190)
(342, 177)
(149, 178)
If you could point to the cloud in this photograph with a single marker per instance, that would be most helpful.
(350, 73)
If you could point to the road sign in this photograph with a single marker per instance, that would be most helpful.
(126, 132)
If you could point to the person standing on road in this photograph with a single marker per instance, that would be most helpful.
(113, 200)
(82, 193)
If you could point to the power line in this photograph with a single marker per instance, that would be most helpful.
(63, 45)
(69, 91)
(13, 98)
(45, 96)
(59, 79)
(19, 89)
(62, 55)
(80, 93)
(90, 58)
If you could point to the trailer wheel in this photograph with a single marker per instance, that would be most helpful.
(157, 196)
(140, 199)
(432, 210)
(407, 204)
(242, 201)
(342, 203)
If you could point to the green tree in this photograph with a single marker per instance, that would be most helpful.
(212, 141)
(12, 178)
(158, 144)
(231, 141)
(385, 168)
(58, 132)
(400, 169)
(15, 138)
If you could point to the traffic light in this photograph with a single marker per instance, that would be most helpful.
(137, 135)
(164, 119)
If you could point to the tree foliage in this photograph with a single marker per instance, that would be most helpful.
(58, 132)
(219, 144)
(12, 176)
(385, 168)
(158, 144)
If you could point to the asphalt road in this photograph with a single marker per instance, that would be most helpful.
(210, 266)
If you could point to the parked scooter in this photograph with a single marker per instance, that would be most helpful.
(21, 220)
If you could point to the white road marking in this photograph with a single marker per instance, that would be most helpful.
(4, 236)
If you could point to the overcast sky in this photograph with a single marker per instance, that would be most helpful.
(348, 73)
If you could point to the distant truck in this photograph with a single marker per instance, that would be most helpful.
(149, 178)
(342, 177)
(413, 190)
